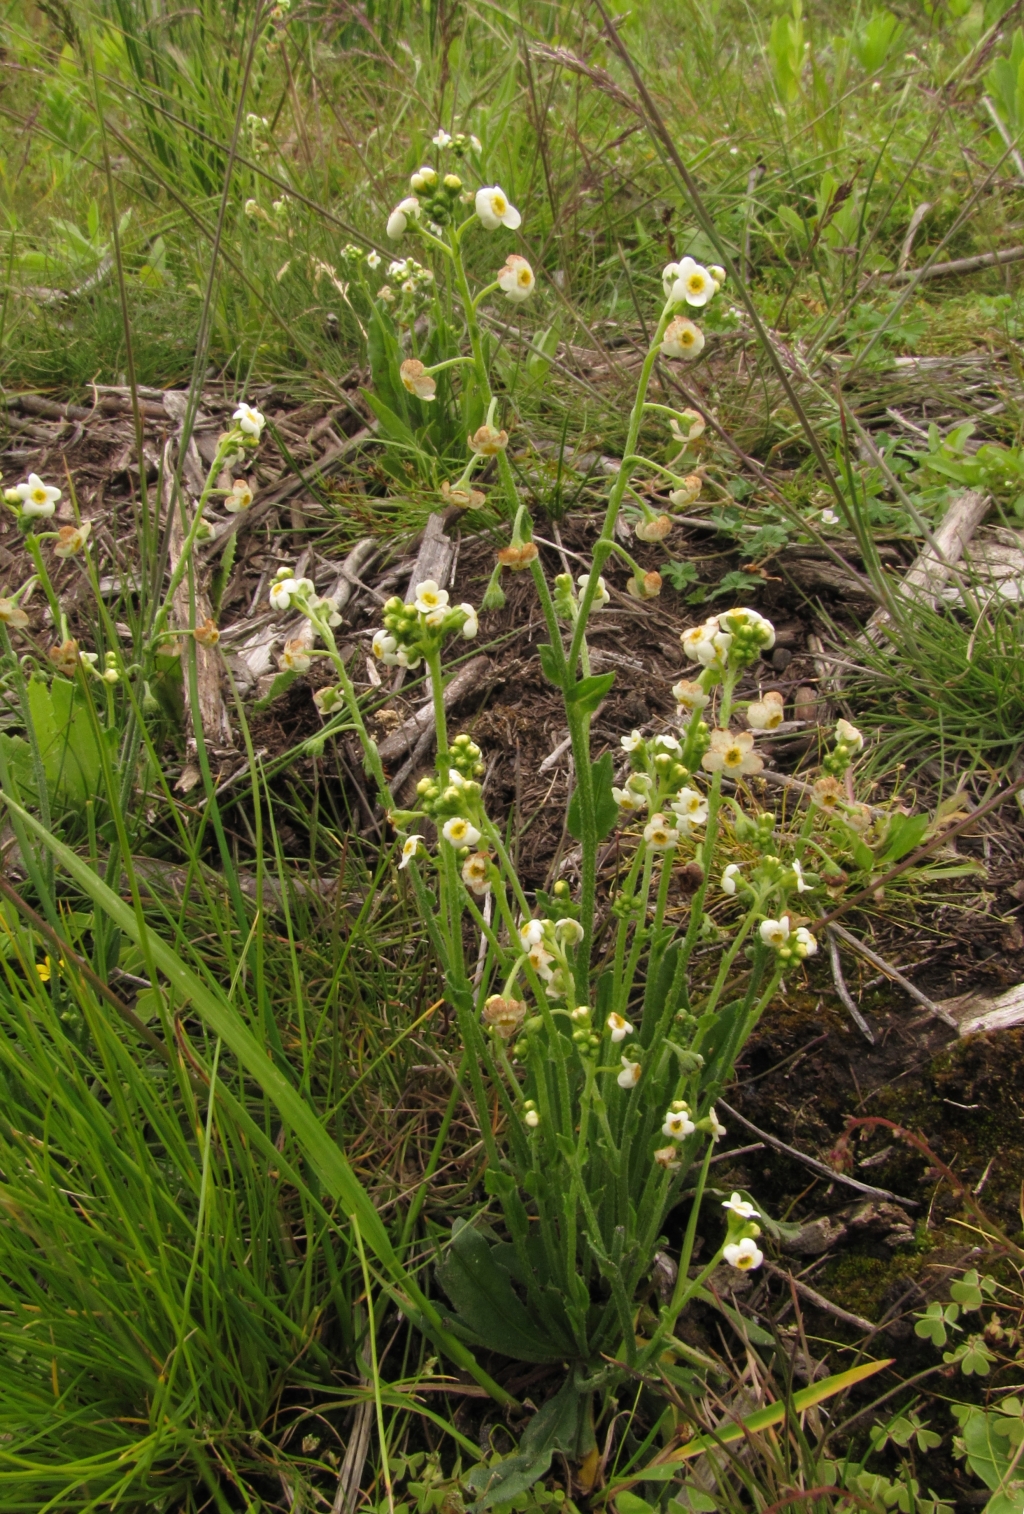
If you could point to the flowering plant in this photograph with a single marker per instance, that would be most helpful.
(581, 1019)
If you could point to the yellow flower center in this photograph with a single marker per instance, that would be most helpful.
(744, 1262)
(39, 496)
(685, 338)
(732, 756)
(525, 278)
(695, 283)
(498, 204)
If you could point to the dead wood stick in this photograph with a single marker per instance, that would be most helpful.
(465, 681)
(435, 558)
(959, 265)
(936, 563)
(847, 999)
(351, 1475)
(813, 1163)
(819, 1300)
(1000, 126)
(895, 974)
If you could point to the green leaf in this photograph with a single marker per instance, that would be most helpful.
(931, 1324)
(606, 811)
(967, 1292)
(903, 834)
(550, 663)
(558, 1426)
(542, 349)
(589, 692)
(488, 1312)
(281, 684)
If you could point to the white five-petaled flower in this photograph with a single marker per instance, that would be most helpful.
(517, 278)
(629, 1077)
(429, 597)
(441, 138)
(718, 1130)
(690, 808)
(766, 714)
(540, 960)
(373, 258)
(295, 658)
(659, 835)
(398, 221)
(775, 933)
(460, 832)
(806, 945)
(732, 753)
(849, 735)
(281, 593)
(417, 380)
(678, 1125)
(532, 932)
(71, 539)
(631, 742)
(741, 1207)
(409, 850)
(693, 283)
(689, 696)
(494, 210)
(682, 338)
(601, 595)
(471, 624)
(385, 647)
(630, 800)
(801, 882)
(476, 872)
(239, 497)
(829, 518)
(37, 498)
(729, 878)
(250, 421)
(743, 1255)
(618, 1028)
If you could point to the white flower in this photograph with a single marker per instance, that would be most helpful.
(240, 497)
(398, 220)
(775, 933)
(631, 742)
(37, 498)
(429, 597)
(693, 284)
(802, 885)
(659, 835)
(373, 258)
(580, 1014)
(682, 339)
(729, 878)
(532, 932)
(296, 657)
(471, 625)
(618, 1028)
(531, 1119)
(718, 1130)
(696, 636)
(629, 1077)
(460, 832)
(601, 595)
(689, 696)
(517, 278)
(849, 735)
(71, 539)
(767, 713)
(250, 421)
(416, 379)
(409, 850)
(732, 753)
(666, 743)
(678, 1125)
(569, 931)
(540, 960)
(441, 138)
(741, 1207)
(494, 210)
(281, 593)
(475, 872)
(630, 801)
(829, 518)
(690, 807)
(743, 1255)
(384, 646)
(806, 945)
(13, 615)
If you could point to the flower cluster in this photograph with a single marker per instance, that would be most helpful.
(687, 283)
(549, 947)
(659, 782)
(788, 945)
(412, 285)
(33, 500)
(730, 641)
(741, 1249)
(849, 742)
(413, 630)
(459, 142)
(566, 599)
(678, 1124)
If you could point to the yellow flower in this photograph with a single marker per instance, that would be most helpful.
(45, 970)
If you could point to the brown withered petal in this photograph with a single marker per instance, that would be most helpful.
(207, 635)
(65, 657)
(690, 877)
(518, 558)
(503, 1016)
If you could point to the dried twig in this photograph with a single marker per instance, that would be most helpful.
(893, 973)
(813, 1163)
(819, 1300)
(847, 999)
